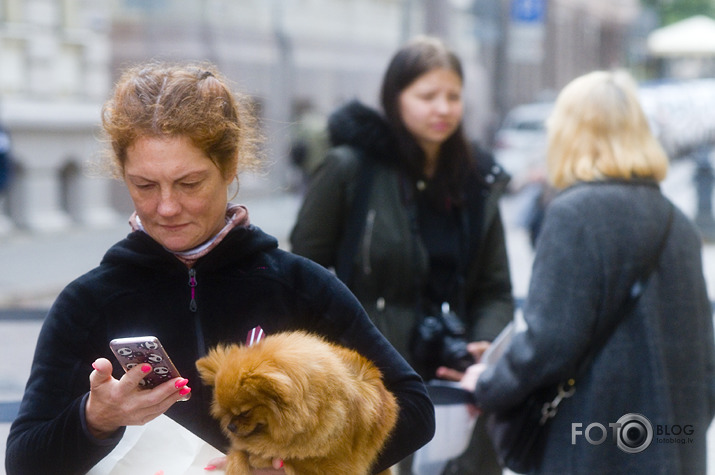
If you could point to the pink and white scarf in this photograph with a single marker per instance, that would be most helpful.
(236, 215)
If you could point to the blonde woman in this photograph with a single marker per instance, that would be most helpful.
(654, 373)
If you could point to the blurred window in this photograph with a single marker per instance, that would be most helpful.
(70, 14)
(11, 11)
(68, 70)
(13, 66)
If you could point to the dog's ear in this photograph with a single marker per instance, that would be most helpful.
(208, 365)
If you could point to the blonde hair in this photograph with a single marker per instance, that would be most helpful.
(598, 131)
(189, 100)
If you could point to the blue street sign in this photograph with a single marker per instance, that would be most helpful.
(528, 11)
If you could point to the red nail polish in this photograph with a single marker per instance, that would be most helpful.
(280, 464)
(146, 368)
(210, 467)
(185, 390)
(181, 383)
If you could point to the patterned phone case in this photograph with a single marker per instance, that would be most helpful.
(134, 351)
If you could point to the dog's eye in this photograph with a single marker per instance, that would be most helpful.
(238, 419)
(244, 425)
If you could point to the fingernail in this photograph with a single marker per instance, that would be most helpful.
(185, 390)
(146, 368)
(210, 467)
(95, 366)
(181, 383)
(280, 464)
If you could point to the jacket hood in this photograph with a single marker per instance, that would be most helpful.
(241, 244)
(362, 128)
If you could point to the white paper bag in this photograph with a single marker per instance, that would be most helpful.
(160, 445)
(454, 424)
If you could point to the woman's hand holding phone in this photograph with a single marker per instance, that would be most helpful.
(116, 403)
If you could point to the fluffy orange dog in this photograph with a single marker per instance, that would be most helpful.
(319, 407)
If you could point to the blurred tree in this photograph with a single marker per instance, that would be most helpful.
(671, 11)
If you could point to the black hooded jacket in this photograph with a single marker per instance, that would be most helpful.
(141, 289)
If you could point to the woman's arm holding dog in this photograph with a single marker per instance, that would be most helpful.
(416, 421)
(334, 312)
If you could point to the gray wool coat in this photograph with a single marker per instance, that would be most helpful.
(659, 361)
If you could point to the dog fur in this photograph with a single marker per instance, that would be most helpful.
(320, 407)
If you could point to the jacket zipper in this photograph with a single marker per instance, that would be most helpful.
(367, 241)
(192, 284)
(198, 329)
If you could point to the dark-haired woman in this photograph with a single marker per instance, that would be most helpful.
(406, 210)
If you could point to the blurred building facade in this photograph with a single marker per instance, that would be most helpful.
(544, 44)
(54, 73)
(58, 59)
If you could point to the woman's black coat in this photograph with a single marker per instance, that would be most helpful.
(141, 289)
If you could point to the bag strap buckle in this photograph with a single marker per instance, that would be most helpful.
(550, 408)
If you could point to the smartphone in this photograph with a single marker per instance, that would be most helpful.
(134, 351)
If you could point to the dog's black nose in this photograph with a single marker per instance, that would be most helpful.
(231, 427)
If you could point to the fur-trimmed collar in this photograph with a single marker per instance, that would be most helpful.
(363, 128)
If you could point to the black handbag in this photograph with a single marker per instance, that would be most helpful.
(519, 433)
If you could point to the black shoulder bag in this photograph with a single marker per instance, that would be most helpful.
(519, 433)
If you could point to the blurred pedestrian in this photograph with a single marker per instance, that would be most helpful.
(194, 273)
(540, 195)
(5, 161)
(648, 360)
(406, 211)
(309, 143)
